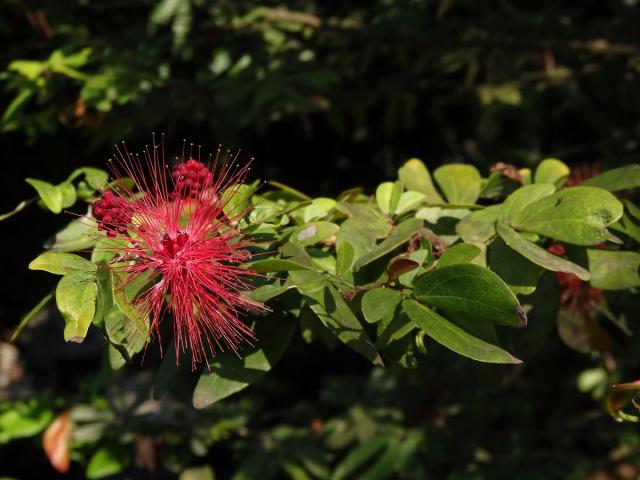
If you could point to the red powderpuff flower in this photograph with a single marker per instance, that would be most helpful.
(582, 172)
(178, 240)
(572, 289)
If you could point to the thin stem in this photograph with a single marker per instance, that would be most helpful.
(32, 313)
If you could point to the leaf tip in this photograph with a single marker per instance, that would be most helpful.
(522, 316)
(76, 339)
(515, 360)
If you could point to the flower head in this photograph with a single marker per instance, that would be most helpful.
(175, 238)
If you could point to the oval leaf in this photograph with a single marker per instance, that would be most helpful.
(230, 373)
(479, 226)
(460, 183)
(76, 300)
(614, 270)
(49, 194)
(108, 461)
(552, 171)
(622, 178)
(279, 265)
(388, 195)
(378, 303)
(539, 255)
(521, 198)
(468, 291)
(313, 233)
(460, 253)
(78, 235)
(60, 263)
(453, 337)
(415, 176)
(399, 235)
(577, 215)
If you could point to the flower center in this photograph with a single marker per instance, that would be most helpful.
(173, 245)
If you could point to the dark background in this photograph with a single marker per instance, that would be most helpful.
(325, 96)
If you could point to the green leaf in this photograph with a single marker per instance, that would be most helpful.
(479, 226)
(334, 313)
(291, 191)
(378, 303)
(266, 292)
(21, 206)
(104, 299)
(135, 331)
(107, 247)
(19, 100)
(313, 233)
(395, 458)
(358, 457)
(460, 183)
(30, 69)
(24, 418)
(95, 177)
(467, 291)
(621, 178)
(80, 234)
(68, 194)
(76, 300)
(460, 253)
(280, 265)
(498, 186)
(521, 198)
(388, 195)
(614, 270)
(552, 171)
(24, 321)
(344, 258)
(126, 335)
(60, 263)
(317, 209)
(365, 225)
(519, 273)
(415, 176)
(539, 255)
(576, 215)
(393, 327)
(108, 461)
(409, 201)
(230, 372)
(399, 235)
(453, 337)
(323, 259)
(628, 226)
(235, 200)
(50, 194)
(166, 372)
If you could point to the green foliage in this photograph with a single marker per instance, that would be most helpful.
(490, 85)
(230, 372)
(374, 273)
(577, 215)
(23, 419)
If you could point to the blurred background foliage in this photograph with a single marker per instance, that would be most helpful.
(326, 96)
